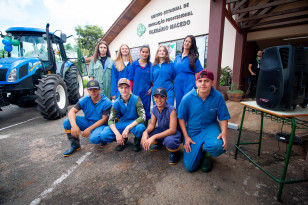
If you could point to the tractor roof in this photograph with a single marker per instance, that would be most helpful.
(27, 30)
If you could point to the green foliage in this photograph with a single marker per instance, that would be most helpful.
(234, 88)
(85, 81)
(88, 38)
(225, 76)
(3, 53)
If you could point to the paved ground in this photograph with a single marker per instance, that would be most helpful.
(33, 170)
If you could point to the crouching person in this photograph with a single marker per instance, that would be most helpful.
(96, 108)
(200, 109)
(166, 133)
(128, 108)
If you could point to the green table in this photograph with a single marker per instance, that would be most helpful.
(284, 117)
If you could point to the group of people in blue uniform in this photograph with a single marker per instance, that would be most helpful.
(193, 122)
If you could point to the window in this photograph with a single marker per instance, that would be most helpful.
(135, 52)
(175, 48)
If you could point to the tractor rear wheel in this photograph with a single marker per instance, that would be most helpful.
(51, 96)
(74, 85)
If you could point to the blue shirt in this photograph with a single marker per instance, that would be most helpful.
(116, 76)
(140, 78)
(163, 76)
(181, 65)
(199, 114)
(93, 112)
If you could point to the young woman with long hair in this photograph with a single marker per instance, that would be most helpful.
(120, 69)
(162, 73)
(139, 75)
(101, 66)
(186, 66)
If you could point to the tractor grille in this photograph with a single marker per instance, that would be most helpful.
(23, 71)
(3, 74)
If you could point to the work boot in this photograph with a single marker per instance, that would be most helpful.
(137, 147)
(206, 165)
(120, 148)
(173, 157)
(156, 147)
(75, 145)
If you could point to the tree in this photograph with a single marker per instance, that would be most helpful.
(88, 38)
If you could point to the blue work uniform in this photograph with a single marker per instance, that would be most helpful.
(92, 114)
(116, 76)
(185, 77)
(128, 114)
(171, 142)
(202, 125)
(163, 75)
(141, 84)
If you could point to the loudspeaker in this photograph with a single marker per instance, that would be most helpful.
(283, 78)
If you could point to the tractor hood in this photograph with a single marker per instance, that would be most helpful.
(11, 63)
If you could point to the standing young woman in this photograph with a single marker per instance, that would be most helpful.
(120, 69)
(139, 75)
(163, 74)
(100, 68)
(186, 66)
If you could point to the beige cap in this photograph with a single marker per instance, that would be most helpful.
(124, 81)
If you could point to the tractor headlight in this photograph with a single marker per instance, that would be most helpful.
(12, 76)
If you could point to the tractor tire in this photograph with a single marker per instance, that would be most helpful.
(51, 97)
(74, 85)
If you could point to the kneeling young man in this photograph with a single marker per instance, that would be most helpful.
(129, 108)
(166, 134)
(96, 109)
(200, 109)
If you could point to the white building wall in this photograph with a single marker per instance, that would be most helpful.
(198, 25)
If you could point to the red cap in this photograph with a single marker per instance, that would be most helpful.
(205, 74)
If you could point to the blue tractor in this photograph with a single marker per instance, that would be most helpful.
(39, 67)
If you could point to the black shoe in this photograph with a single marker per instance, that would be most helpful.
(206, 165)
(137, 146)
(120, 148)
(103, 144)
(71, 150)
(174, 157)
(156, 147)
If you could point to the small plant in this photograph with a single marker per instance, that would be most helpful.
(225, 76)
(85, 81)
(234, 89)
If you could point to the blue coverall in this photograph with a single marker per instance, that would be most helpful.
(128, 114)
(185, 77)
(202, 125)
(141, 84)
(116, 76)
(171, 142)
(163, 76)
(92, 114)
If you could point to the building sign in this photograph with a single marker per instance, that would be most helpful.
(140, 29)
(168, 23)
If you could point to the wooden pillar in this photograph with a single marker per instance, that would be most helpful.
(216, 33)
(240, 40)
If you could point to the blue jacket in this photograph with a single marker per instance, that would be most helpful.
(126, 112)
(93, 112)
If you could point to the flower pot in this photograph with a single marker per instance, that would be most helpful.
(223, 90)
(235, 96)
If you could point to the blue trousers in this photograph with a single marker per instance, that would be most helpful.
(83, 124)
(207, 138)
(171, 142)
(183, 83)
(108, 136)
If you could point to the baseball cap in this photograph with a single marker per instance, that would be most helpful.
(123, 81)
(93, 84)
(160, 91)
(205, 74)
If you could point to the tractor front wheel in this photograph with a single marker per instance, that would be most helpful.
(74, 85)
(51, 97)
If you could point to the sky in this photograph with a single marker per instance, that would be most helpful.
(62, 15)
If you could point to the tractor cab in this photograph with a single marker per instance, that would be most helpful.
(28, 56)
